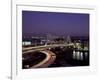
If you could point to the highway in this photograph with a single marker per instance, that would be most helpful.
(50, 58)
(25, 50)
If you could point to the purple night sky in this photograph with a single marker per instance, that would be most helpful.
(73, 24)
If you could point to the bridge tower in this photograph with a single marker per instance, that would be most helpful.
(68, 40)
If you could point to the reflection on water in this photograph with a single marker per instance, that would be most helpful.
(86, 54)
(70, 57)
(80, 55)
(74, 54)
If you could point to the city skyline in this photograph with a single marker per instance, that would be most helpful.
(74, 24)
(54, 39)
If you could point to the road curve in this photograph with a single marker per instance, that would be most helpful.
(50, 58)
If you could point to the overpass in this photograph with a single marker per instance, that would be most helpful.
(40, 48)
